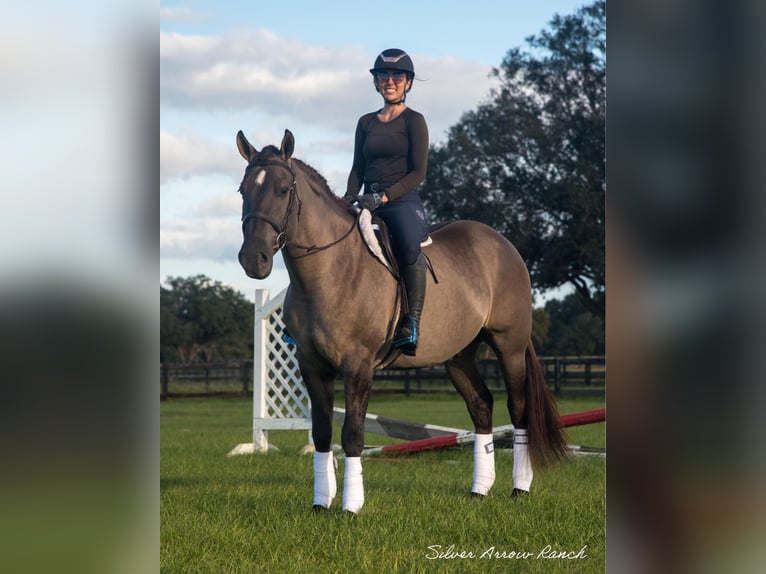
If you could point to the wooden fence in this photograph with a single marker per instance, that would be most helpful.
(566, 376)
(576, 375)
(584, 375)
(205, 379)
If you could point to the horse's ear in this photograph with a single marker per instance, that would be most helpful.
(245, 149)
(288, 145)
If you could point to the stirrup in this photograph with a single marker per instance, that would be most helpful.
(411, 339)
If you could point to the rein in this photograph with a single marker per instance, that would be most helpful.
(281, 229)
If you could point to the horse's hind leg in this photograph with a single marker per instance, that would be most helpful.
(469, 383)
(513, 365)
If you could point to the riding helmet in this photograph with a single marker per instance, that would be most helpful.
(394, 59)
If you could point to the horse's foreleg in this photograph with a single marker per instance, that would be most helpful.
(467, 380)
(321, 389)
(358, 382)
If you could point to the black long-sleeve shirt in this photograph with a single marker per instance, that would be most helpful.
(393, 154)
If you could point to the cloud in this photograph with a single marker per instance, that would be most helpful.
(184, 156)
(256, 70)
(213, 238)
(449, 88)
(220, 206)
(183, 15)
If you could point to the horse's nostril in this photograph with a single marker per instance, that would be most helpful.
(263, 257)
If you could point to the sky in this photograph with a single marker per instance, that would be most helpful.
(269, 66)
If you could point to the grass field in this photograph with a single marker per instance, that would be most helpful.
(252, 513)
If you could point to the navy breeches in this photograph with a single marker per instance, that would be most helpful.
(406, 221)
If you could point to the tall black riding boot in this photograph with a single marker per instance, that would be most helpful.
(406, 337)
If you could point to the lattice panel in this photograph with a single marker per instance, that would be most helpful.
(286, 395)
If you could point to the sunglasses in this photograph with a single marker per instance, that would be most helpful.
(397, 77)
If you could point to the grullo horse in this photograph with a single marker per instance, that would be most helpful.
(342, 304)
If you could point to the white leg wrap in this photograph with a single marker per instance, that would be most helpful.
(483, 464)
(353, 487)
(324, 479)
(522, 466)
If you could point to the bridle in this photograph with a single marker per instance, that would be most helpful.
(281, 229)
(292, 190)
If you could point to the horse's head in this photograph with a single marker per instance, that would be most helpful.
(268, 196)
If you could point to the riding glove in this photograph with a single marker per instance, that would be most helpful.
(370, 201)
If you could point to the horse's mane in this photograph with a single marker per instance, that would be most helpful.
(313, 175)
(319, 179)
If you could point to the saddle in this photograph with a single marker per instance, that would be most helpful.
(378, 242)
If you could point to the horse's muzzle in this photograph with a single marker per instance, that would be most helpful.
(257, 263)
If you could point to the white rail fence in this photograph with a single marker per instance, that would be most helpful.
(280, 398)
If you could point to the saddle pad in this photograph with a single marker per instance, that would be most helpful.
(368, 234)
(368, 230)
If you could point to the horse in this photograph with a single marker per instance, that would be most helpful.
(341, 308)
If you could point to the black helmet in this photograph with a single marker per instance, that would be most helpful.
(394, 59)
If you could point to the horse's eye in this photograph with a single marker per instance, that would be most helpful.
(284, 191)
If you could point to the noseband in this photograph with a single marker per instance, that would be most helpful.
(281, 229)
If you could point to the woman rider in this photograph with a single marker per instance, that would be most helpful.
(390, 159)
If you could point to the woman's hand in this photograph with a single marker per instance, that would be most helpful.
(371, 201)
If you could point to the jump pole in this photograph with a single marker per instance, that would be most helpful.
(395, 428)
(583, 418)
(467, 437)
(446, 441)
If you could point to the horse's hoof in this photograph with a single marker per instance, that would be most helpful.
(473, 494)
(518, 493)
(318, 509)
(348, 514)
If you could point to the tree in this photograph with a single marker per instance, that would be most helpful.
(201, 319)
(568, 329)
(530, 161)
(541, 325)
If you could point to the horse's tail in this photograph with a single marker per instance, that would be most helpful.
(547, 438)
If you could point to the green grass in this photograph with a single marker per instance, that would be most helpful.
(252, 513)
